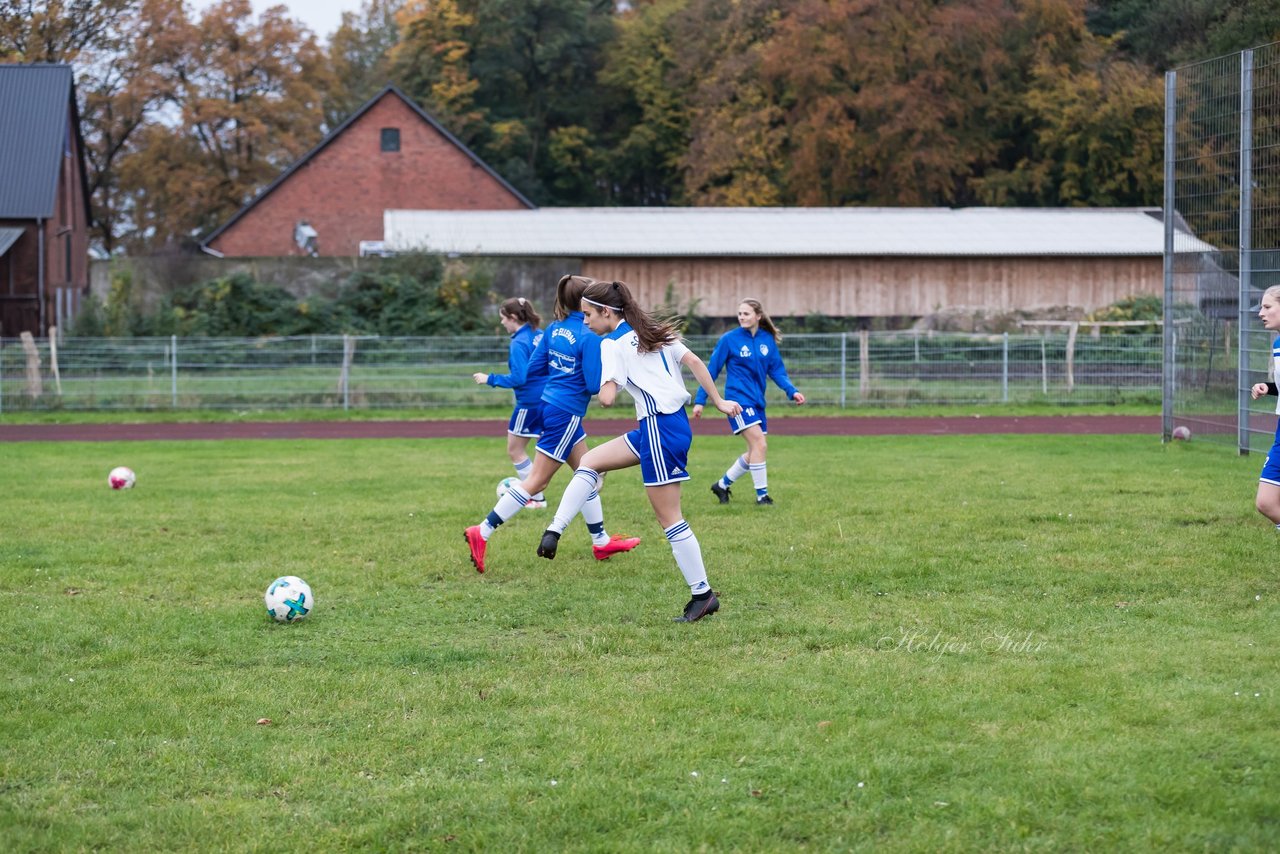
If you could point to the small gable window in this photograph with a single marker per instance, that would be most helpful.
(391, 139)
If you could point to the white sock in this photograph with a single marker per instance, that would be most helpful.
(737, 470)
(593, 515)
(684, 545)
(508, 505)
(580, 489)
(760, 477)
(522, 472)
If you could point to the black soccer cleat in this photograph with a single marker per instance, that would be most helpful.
(722, 492)
(764, 501)
(699, 608)
(547, 548)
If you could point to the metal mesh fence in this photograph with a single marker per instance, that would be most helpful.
(842, 370)
(1222, 245)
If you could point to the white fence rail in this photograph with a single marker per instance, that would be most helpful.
(349, 372)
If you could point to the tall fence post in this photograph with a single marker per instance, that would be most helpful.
(173, 371)
(53, 359)
(844, 366)
(864, 363)
(1246, 246)
(35, 386)
(1170, 153)
(1004, 371)
(1044, 369)
(344, 376)
(1071, 356)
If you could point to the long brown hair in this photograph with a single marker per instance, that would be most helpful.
(519, 308)
(569, 294)
(652, 332)
(765, 323)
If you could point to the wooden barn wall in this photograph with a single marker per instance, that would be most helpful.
(886, 286)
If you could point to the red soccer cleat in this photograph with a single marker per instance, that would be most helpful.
(617, 545)
(477, 545)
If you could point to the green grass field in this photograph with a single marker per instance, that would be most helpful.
(929, 644)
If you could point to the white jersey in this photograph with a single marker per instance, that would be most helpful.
(653, 379)
(1275, 367)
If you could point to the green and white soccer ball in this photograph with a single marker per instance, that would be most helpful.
(504, 485)
(289, 599)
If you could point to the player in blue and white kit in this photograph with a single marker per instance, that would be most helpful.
(644, 356)
(521, 321)
(569, 353)
(749, 355)
(1268, 500)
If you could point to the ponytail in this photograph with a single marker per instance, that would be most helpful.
(569, 294)
(653, 332)
(519, 308)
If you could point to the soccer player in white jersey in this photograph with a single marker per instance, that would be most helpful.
(1268, 500)
(569, 353)
(644, 355)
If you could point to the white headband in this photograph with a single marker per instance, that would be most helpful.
(602, 305)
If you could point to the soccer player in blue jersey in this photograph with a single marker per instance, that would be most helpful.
(644, 356)
(569, 353)
(749, 355)
(522, 322)
(1268, 500)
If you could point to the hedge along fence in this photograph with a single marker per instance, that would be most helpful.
(344, 371)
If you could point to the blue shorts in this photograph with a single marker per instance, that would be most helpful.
(662, 444)
(526, 421)
(1271, 468)
(751, 415)
(560, 432)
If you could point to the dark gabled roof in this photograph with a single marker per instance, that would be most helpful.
(336, 132)
(38, 119)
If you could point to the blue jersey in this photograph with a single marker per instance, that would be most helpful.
(748, 361)
(527, 384)
(569, 353)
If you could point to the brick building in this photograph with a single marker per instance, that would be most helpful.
(44, 199)
(388, 154)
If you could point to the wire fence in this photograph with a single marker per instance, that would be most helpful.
(349, 372)
(1222, 242)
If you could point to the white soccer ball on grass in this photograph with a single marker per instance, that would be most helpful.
(289, 599)
(122, 477)
(504, 485)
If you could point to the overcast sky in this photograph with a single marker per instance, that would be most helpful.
(321, 16)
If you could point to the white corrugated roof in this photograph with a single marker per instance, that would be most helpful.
(588, 232)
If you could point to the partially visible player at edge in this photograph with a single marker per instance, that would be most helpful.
(522, 322)
(570, 354)
(1268, 500)
(750, 355)
(644, 355)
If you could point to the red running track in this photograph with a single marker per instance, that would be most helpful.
(793, 426)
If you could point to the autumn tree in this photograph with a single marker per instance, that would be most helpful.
(516, 81)
(360, 57)
(121, 89)
(737, 138)
(646, 113)
(432, 62)
(242, 101)
(59, 30)
(885, 104)
(1087, 128)
(1161, 34)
